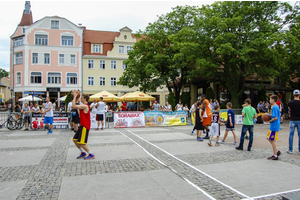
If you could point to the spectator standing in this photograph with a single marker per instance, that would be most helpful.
(260, 107)
(211, 104)
(156, 106)
(294, 114)
(186, 109)
(168, 107)
(124, 106)
(26, 112)
(17, 110)
(206, 115)
(179, 106)
(248, 114)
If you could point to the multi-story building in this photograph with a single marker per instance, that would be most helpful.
(5, 93)
(103, 62)
(46, 56)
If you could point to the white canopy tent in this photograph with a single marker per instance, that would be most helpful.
(30, 98)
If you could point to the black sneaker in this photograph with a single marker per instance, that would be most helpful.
(273, 158)
(246, 137)
(278, 153)
(239, 148)
(206, 137)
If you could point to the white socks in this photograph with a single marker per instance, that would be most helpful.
(81, 149)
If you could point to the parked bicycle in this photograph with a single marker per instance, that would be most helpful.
(12, 123)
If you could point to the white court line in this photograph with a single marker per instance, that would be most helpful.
(274, 194)
(229, 187)
(198, 188)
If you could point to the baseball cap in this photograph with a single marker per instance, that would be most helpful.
(296, 92)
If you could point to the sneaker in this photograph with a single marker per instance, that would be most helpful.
(101, 128)
(217, 144)
(239, 148)
(50, 132)
(234, 143)
(206, 137)
(248, 149)
(209, 144)
(192, 132)
(90, 156)
(82, 155)
(278, 153)
(204, 131)
(290, 152)
(222, 141)
(273, 158)
(96, 129)
(246, 137)
(200, 139)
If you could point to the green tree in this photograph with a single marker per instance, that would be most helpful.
(210, 93)
(3, 73)
(232, 40)
(153, 62)
(262, 94)
(68, 99)
(171, 100)
(186, 98)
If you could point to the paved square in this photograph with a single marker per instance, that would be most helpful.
(129, 166)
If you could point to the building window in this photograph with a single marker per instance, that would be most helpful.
(124, 66)
(18, 80)
(41, 39)
(129, 48)
(18, 41)
(113, 64)
(91, 64)
(61, 58)
(67, 40)
(19, 58)
(54, 78)
(54, 24)
(121, 49)
(102, 81)
(23, 30)
(96, 48)
(113, 81)
(47, 58)
(35, 58)
(71, 78)
(73, 59)
(102, 64)
(36, 77)
(90, 81)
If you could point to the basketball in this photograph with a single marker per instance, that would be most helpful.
(78, 94)
(266, 117)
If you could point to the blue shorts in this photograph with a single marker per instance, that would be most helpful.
(48, 120)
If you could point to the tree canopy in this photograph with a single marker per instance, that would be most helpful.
(3, 73)
(225, 43)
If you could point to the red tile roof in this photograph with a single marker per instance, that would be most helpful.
(26, 19)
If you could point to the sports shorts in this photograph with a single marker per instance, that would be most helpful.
(214, 129)
(229, 129)
(99, 117)
(48, 120)
(76, 119)
(272, 135)
(27, 119)
(81, 136)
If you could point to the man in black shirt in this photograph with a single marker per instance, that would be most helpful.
(294, 113)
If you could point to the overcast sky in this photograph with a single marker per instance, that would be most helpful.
(95, 15)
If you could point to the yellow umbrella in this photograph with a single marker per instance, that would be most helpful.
(107, 97)
(137, 96)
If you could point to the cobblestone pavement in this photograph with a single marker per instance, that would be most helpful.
(45, 178)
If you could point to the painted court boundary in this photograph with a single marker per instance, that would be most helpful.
(229, 187)
(198, 188)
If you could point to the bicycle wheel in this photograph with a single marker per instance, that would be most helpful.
(10, 125)
(19, 124)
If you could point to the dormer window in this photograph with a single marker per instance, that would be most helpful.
(54, 24)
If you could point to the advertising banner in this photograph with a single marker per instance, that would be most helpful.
(159, 118)
(60, 120)
(129, 119)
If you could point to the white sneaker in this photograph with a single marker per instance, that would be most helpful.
(290, 152)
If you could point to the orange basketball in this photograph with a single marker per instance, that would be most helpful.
(78, 94)
(266, 117)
